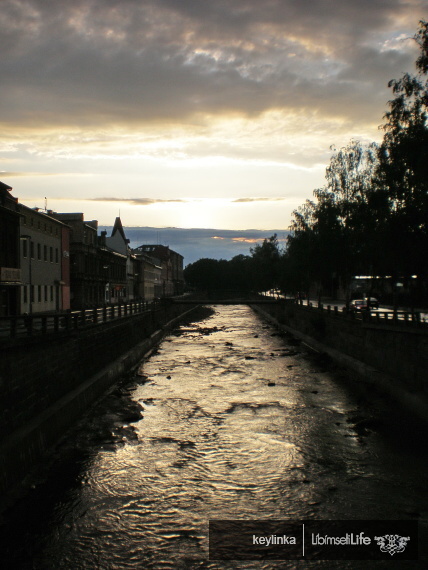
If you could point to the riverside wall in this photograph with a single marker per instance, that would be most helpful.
(47, 383)
(392, 359)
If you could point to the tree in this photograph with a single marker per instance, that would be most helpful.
(403, 160)
(204, 274)
(350, 191)
(300, 260)
(265, 259)
(221, 275)
(240, 273)
(371, 217)
(329, 235)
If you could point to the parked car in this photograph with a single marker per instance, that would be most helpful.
(372, 302)
(358, 305)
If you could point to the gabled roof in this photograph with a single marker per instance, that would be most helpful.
(4, 186)
(119, 228)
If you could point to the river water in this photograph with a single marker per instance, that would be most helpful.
(228, 419)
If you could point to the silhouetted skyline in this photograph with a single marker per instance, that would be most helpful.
(195, 243)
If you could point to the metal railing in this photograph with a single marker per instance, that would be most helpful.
(50, 323)
(377, 316)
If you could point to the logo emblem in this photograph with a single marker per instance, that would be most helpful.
(392, 543)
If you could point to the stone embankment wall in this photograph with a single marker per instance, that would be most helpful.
(46, 383)
(390, 357)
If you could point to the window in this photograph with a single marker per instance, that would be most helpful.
(51, 254)
(24, 248)
(40, 293)
(45, 252)
(32, 294)
(56, 255)
(25, 296)
(52, 294)
(39, 251)
(32, 249)
(46, 292)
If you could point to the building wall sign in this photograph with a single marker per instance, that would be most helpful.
(10, 275)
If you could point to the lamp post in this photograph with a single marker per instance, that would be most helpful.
(136, 286)
(28, 237)
(106, 284)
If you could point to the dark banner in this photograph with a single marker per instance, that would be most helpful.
(313, 540)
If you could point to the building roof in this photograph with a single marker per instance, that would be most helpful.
(50, 215)
(4, 186)
(119, 228)
(7, 201)
(160, 251)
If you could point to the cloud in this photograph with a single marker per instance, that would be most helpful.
(137, 201)
(265, 199)
(7, 174)
(99, 62)
(246, 240)
(193, 98)
(256, 239)
(151, 201)
(237, 239)
(194, 244)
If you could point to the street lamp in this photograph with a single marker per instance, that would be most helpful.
(28, 237)
(106, 284)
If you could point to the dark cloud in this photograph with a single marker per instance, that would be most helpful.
(194, 244)
(100, 62)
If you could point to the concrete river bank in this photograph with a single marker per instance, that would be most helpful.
(228, 419)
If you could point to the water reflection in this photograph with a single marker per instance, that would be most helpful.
(227, 419)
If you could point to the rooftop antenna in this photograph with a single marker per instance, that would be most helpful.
(46, 204)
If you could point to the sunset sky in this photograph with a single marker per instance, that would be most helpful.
(191, 113)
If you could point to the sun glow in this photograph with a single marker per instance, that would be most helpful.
(203, 213)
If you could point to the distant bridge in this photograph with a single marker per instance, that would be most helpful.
(224, 297)
(238, 300)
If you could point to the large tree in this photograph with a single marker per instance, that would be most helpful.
(300, 260)
(329, 235)
(403, 170)
(265, 258)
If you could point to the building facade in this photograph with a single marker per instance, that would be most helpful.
(97, 273)
(51, 262)
(171, 280)
(119, 244)
(10, 272)
(148, 276)
(44, 262)
(34, 274)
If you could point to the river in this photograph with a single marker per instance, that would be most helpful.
(228, 419)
